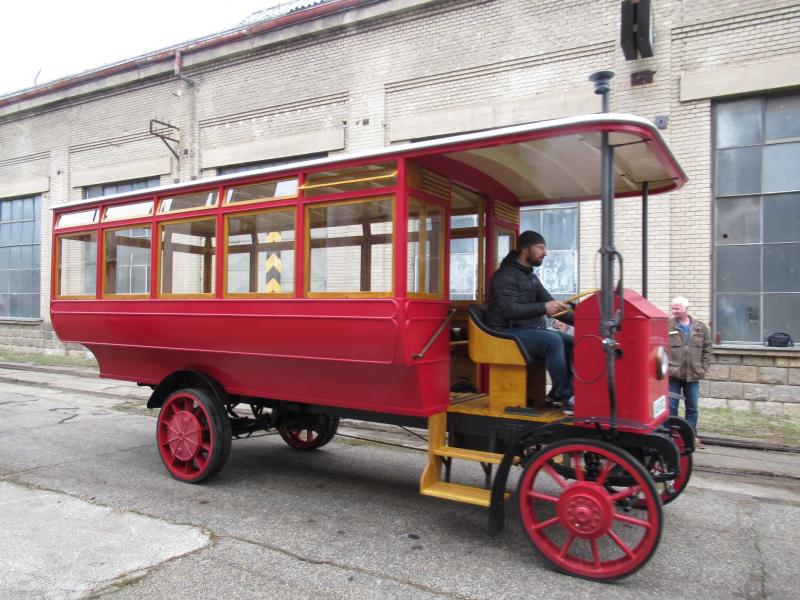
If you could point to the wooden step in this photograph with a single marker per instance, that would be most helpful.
(466, 454)
(458, 493)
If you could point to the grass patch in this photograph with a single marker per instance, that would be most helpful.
(777, 429)
(46, 359)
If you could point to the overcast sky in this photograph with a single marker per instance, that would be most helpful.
(54, 38)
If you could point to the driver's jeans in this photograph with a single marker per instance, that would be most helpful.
(555, 348)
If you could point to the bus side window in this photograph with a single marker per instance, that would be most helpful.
(77, 265)
(260, 253)
(188, 257)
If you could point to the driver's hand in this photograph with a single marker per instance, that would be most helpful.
(554, 307)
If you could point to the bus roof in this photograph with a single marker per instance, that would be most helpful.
(548, 161)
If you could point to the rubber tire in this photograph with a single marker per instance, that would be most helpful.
(219, 427)
(326, 434)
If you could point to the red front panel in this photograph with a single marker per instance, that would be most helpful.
(347, 353)
(641, 395)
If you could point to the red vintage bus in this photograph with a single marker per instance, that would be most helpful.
(289, 297)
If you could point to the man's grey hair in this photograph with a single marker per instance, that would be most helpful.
(683, 301)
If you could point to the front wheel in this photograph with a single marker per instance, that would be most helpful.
(576, 523)
(193, 434)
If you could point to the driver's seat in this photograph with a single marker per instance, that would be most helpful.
(516, 379)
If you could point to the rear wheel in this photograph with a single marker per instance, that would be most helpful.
(579, 525)
(308, 432)
(193, 434)
(669, 490)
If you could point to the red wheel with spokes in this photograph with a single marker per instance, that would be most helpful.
(308, 432)
(669, 490)
(579, 525)
(193, 434)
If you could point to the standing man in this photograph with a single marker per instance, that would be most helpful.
(689, 359)
(518, 303)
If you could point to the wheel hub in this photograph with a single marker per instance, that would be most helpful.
(586, 510)
(185, 430)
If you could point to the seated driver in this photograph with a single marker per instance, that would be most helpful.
(518, 303)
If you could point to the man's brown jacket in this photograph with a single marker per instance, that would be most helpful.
(689, 361)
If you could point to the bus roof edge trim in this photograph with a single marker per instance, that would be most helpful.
(412, 147)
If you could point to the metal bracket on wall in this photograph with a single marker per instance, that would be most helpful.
(163, 131)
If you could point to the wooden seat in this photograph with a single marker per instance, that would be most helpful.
(516, 379)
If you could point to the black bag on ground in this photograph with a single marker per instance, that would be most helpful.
(779, 340)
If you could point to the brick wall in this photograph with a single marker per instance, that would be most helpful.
(440, 56)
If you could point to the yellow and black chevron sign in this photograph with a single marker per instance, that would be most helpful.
(273, 264)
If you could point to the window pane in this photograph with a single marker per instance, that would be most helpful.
(261, 253)
(127, 256)
(739, 171)
(559, 228)
(84, 217)
(738, 123)
(781, 218)
(739, 220)
(739, 268)
(285, 188)
(464, 269)
(77, 261)
(188, 201)
(129, 211)
(738, 317)
(351, 247)
(465, 208)
(530, 220)
(503, 243)
(426, 230)
(782, 268)
(782, 313)
(782, 168)
(783, 117)
(559, 272)
(188, 257)
(353, 178)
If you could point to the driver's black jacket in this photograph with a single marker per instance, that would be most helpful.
(517, 297)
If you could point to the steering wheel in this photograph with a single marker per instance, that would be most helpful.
(571, 301)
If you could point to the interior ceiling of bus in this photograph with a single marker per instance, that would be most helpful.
(568, 167)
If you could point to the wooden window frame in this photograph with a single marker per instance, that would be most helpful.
(441, 295)
(159, 259)
(58, 237)
(103, 292)
(258, 295)
(307, 248)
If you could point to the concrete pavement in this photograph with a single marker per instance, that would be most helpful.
(347, 521)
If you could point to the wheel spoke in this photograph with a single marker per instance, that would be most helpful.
(595, 553)
(545, 524)
(548, 468)
(540, 496)
(626, 493)
(601, 478)
(576, 460)
(632, 521)
(565, 550)
(622, 545)
(309, 434)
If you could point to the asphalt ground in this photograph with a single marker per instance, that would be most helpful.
(89, 511)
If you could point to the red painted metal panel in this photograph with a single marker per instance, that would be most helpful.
(641, 396)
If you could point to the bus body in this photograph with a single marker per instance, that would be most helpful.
(322, 289)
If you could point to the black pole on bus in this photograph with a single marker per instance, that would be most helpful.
(645, 199)
(609, 322)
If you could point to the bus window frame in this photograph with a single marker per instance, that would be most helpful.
(389, 193)
(57, 260)
(295, 207)
(142, 224)
(212, 207)
(443, 255)
(210, 216)
(224, 204)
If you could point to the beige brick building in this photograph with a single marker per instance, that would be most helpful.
(351, 75)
